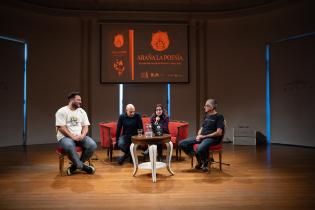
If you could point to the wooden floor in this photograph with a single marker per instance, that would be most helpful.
(278, 177)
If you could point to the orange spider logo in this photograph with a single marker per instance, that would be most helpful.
(160, 41)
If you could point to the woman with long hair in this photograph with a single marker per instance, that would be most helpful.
(159, 122)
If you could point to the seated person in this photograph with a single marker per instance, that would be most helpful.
(159, 121)
(129, 122)
(209, 134)
(73, 125)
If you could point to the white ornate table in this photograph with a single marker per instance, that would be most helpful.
(153, 165)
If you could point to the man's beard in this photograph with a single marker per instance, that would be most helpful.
(75, 106)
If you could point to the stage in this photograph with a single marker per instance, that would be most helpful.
(275, 177)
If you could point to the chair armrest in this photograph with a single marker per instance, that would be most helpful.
(105, 137)
(182, 132)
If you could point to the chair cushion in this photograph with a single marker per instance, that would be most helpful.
(217, 147)
(60, 150)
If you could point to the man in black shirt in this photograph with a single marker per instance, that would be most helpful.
(209, 134)
(129, 122)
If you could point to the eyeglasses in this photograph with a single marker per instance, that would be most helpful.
(158, 110)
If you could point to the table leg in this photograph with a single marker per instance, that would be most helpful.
(169, 146)
(133, 148)
(152, 153)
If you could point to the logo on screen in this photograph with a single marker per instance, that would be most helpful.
(119, 66)
(119, 40)
(160, 41)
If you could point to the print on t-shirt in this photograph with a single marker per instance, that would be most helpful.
(73, 121)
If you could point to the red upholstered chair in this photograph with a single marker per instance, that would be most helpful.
(108, 137)
(61, 154)
(178, 131)
(212, 150)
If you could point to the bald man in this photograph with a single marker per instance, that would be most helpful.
(129, 122)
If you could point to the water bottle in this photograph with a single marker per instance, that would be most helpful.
(148, 131)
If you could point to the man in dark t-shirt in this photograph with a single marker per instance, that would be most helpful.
(210, 134)
(129, 122)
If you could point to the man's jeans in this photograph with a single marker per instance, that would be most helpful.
(88, 146)
(203, 148)
(124, 143)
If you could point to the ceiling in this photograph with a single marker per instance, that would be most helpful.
(149, 5)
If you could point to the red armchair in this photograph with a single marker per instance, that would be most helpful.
(213, 149)
(178, 131)
(108, 137)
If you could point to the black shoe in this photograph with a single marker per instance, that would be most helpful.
(122, 159)
(198, 166)
(88, 169)
(71, 170)
(199, 163)
(204, 167)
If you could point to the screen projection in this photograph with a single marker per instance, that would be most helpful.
(144, 53)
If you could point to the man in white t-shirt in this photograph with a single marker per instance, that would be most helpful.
(72, 127)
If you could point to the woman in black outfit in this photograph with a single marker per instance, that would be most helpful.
(159, 122)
